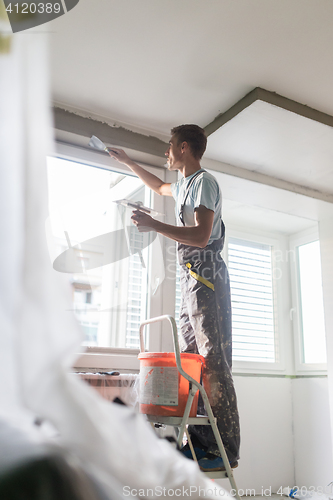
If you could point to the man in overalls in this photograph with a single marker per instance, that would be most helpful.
(205, 317)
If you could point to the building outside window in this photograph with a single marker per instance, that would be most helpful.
(107, 263)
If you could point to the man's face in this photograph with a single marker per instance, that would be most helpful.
(174, 154)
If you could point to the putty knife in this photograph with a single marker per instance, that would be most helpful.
(136, 205)
(97, 144)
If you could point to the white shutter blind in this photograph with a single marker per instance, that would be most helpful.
(135, 291)
(250, 269)
(178, 296)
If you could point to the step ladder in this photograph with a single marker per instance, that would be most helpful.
(185, 420)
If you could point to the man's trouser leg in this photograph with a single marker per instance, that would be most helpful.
(205, 326)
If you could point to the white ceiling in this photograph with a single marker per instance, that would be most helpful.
(268, 139)
(155, 64)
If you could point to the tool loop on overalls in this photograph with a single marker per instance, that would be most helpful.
(200, 278)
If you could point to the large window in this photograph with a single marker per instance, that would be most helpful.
(308, 310)
(311, 303)
(105, 258)
(252, 296)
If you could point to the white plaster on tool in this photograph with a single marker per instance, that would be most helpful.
(97, 144)
(137, 205)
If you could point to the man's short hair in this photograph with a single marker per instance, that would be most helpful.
(194, 135)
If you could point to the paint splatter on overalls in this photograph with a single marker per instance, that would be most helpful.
(205, 328)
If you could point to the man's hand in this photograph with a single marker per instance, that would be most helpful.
(119, 155)
(147, 178)
(195, 236)
(143, 221)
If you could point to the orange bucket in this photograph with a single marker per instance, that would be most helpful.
(163, 390)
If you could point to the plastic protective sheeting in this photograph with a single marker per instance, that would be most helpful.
(39, 334)
(124, 386)
(33, 469)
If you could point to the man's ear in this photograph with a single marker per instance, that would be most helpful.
(184, 146)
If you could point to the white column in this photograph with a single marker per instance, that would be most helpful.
(326, 249)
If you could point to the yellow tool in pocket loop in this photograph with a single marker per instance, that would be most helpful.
(200, 278)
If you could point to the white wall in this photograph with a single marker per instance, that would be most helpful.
(312, 432)
(267, 457)
(285, 433)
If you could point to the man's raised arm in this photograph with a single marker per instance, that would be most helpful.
(150, 180)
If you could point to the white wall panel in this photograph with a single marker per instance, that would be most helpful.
(267, 457)
(326, 250)
(312, 432)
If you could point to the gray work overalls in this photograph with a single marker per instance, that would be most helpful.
(205, 328)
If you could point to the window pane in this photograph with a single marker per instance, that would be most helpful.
(106, 259)
(250, 270)
(312, 310)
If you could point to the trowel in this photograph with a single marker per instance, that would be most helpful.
(137, 205)
(96, 143)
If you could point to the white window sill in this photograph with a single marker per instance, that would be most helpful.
(107, 359)
(312, 369)
(254, 368)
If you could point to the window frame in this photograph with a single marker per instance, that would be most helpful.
(296, 240)
(108, 358)
(281, 329)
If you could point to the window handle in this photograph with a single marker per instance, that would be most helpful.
(291, 313)
(156, 285)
